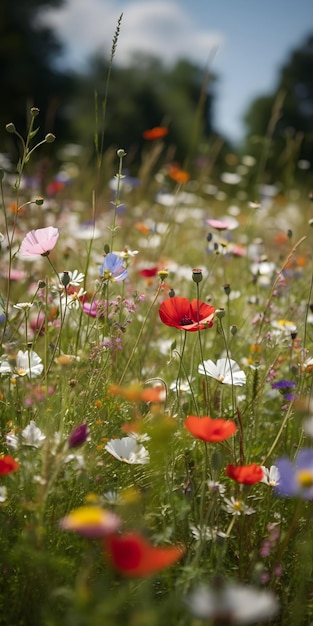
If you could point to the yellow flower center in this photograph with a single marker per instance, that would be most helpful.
(305, 478)
(237, 505)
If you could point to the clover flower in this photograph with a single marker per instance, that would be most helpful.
(39, 242)
(188, 315)
(226, 371)
(113, 269)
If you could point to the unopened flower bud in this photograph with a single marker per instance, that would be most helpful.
(78, 436)
(227, 289)
(293, 335)
(39, 201)
(34, 111)
(171, 293)
(65, 279)
(209, 237)
(121, 153)
(197, 275)
(106, 248)
(289, 233)
(41, 284)
(10, 128)
(220, 313)
(49, 138)
(233, 329)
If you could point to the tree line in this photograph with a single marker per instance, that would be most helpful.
(143, 95)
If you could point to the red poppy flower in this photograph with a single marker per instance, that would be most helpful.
(177, 174)
(8, 465)
(209, 429)
(246, 474)
(185, 315)
(149, 272)
(132, 555)
(158, 132)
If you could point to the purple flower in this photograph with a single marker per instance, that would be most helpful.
(283, 385)
(78, 436)
(113, 268)
(296, 479)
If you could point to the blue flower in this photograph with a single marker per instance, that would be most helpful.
(296, 479)
(113, 269)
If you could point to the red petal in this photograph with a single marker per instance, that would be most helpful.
(246, 474)
(208, 429)
(132, 555)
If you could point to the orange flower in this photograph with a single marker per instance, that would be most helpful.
(185, 315)
(246, 474)
(135, 393)
(158, 132)
(209, 429)
(132, 555)
(177, 174)
(8, 465)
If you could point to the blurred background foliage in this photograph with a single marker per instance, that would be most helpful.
(279, 125)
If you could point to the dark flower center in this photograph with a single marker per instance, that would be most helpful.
(185, 321)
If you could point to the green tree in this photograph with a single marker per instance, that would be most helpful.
(280, 125)
(144, 95)
(27, 73)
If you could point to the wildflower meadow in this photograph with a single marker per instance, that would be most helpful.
(156, 434)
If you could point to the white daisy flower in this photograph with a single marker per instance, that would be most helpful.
(23, 306)
(71, 278)
(226, 371)
(26, 364)
(128, 450)
(237, 507)
(72, 300)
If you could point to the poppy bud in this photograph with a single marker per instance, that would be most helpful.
(197, 275)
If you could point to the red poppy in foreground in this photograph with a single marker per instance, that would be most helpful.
(132, 555)
(209, 429)
(245, 474)
(185, 315)
(158, 132)
(8, 465)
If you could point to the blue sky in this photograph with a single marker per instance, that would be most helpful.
(251, 39)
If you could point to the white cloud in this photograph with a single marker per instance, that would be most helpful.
(158, 27)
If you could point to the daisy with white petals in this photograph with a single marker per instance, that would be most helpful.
(226, 371)
(26, 364)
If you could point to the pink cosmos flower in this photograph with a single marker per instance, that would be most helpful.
(40, 241)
